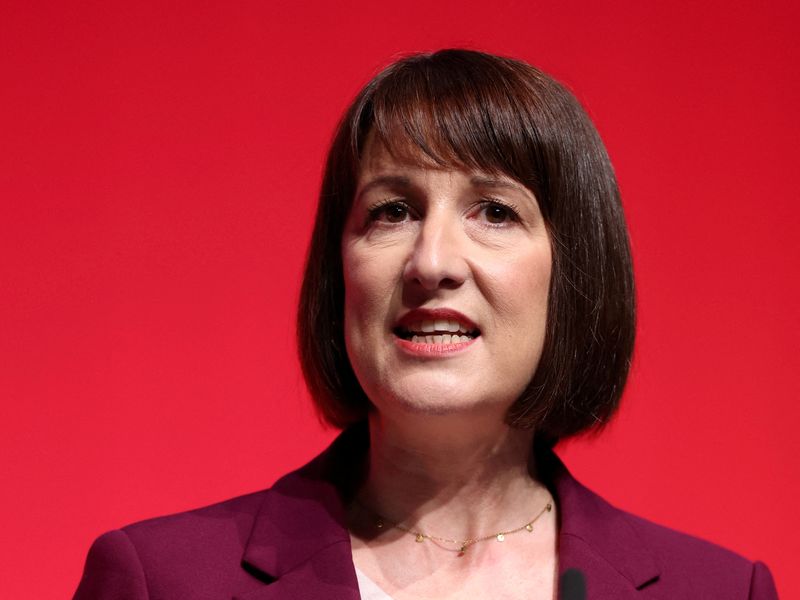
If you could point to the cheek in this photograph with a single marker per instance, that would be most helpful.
(369, 288)
(368, 291)
(520, 288)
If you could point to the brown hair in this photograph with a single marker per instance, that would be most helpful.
(475, 111)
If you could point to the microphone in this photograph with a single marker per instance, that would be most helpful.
(572, 585)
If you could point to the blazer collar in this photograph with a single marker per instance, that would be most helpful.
(300, 539)
(596, 538)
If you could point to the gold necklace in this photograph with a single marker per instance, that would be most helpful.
(462, 545)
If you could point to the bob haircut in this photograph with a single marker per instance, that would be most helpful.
(474, 111)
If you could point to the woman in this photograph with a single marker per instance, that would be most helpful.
(467, 302)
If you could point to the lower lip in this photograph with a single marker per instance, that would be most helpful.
(432, 350)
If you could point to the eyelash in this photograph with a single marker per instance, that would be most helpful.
(512, 211)
(379, 209)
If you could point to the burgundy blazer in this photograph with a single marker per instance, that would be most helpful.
(290, 542)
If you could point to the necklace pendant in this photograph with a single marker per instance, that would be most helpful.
(529, 527)
(420, 538)
(462, 550)
(501, 537)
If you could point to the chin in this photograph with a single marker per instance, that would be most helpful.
(439, 400)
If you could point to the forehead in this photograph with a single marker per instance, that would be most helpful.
(410, 169)
(378, 156)
(404, 157)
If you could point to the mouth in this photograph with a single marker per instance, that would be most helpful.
(436, 328)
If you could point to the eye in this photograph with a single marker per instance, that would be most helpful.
(498, 213)
(390, 211)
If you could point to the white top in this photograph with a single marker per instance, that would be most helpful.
(368, 589)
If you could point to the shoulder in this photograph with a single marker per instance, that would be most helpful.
(615, 550)
(195, 554)
(704, 568)
(228, 548)
(682, 549)
(226, 523)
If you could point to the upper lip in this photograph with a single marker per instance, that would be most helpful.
(431, 314)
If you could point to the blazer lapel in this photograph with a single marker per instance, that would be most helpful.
(323, 575)
(599, 541)
(300, 539)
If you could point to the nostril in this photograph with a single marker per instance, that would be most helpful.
(437, 260)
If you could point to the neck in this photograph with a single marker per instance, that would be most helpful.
(448, 475)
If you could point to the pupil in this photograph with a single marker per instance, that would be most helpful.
(496, 214)
(395, 213)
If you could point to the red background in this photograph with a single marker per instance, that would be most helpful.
(158, 171)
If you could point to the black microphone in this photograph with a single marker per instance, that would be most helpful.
(572, 585)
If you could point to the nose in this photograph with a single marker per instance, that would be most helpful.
(438, 259)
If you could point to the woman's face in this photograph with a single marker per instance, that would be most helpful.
(446, 278)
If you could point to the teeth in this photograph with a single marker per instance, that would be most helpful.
(439, 326)
(440, 339)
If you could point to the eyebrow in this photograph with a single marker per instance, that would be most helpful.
(403, 182)
(490, 182)
(396, 181)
